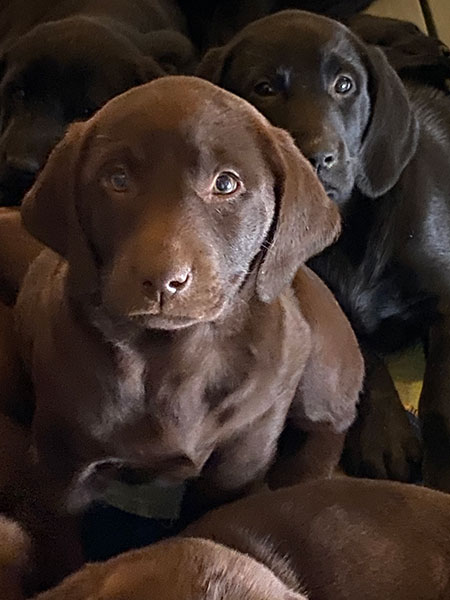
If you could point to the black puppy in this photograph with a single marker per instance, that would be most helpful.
(63, 60)
(381, 151)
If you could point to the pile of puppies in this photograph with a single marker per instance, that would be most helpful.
(168, 329)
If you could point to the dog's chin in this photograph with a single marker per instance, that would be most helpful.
(338, 192)
(171, 321)
(339, 197)
(162, 322)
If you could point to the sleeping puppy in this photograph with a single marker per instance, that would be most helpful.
(162, 332)
(63, 60)
(191, 569)
(381, 151)
(341, 538)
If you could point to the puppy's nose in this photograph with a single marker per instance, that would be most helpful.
(25, 164)
(168, 284)
(323, 160)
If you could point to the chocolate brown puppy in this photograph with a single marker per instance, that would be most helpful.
(172, 330)
(331, 539)
(192, 569)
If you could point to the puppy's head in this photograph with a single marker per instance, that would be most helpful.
(188, 569)
(345, 106)
(14, 553)
(171, 196)
(63, 71)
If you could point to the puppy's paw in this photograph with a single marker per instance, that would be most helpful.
(383, 445)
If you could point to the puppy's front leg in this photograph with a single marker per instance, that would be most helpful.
(434, 407)
(325, 402)
(381, 443)
(238, 468)
(55, 534)
(306, 455)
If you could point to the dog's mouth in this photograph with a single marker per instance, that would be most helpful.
(161, 321)
(332, 193)
(168, 318)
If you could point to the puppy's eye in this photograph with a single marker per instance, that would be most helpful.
(343, 84)
(265, 88)
(119, 181)
(226, 183)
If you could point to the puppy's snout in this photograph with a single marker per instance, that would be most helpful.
(170, 283)
(323, 160)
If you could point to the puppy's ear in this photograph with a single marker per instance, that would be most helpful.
(306, 220)
(49, 209)
(391, 138)
(173, 51)
(212, 65)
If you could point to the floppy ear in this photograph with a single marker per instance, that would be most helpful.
(391, 137)
(49, 209)
(172, 50)
(212, 65)
(306, 220)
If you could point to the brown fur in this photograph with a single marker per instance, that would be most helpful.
(198, 383)
(322, 540)
(191, 569)
(345, 538)
(14, 548)
(18, 249)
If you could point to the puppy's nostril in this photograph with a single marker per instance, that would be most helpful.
(169, 285)
(329, 160)
(178, 283)
(323, 160)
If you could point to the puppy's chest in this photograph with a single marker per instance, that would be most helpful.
(199, 394)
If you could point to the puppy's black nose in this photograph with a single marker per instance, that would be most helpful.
(23, 163)
(323, 160)
(168, 284)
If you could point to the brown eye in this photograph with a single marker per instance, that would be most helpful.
(119, 181)
(343, 84)
(226, 183)
(265, 88)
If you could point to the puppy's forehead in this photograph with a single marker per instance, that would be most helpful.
(178, 103)
(305, 34)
